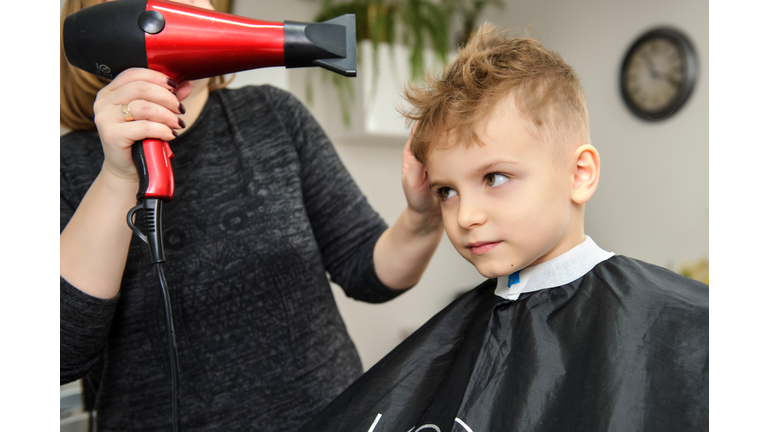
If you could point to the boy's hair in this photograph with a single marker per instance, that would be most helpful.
(489, 67)
(77, 88)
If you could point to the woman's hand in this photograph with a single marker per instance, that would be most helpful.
(94, 244)
(150, 99)
(403, 251)
(421, 200)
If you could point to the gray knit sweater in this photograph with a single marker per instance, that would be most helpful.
(263, 208)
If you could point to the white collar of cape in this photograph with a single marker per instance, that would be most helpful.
(556, 272)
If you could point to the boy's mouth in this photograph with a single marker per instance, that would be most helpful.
(481, 247)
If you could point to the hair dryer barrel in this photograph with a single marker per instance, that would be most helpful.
(186, 42)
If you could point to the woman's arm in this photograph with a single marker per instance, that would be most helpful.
(93, 247)
(94, 244)
(403, 251)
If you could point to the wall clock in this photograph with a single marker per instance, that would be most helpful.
(658, 73)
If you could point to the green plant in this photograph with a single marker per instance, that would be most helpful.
(417, 24)
(374, 21)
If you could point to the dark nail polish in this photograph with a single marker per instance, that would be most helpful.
(176, 134)
(182, 124)
(182, 109)
(171, 82)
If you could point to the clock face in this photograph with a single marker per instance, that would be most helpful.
(654, 74)
(658, 74)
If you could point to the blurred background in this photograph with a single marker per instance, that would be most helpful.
(652, 202)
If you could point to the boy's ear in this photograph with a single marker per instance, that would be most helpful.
(586, 174)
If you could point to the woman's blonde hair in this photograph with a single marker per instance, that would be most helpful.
(78, 88)
(488, 68)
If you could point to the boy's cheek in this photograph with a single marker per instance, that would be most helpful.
(455, 241)
(449, 220)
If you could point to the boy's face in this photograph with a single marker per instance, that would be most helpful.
(507, 204)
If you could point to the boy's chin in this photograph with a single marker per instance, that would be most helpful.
(490, 271)
(501, 267)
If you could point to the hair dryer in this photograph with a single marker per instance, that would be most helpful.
(187, 43)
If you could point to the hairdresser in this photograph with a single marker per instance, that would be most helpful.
(263, 210)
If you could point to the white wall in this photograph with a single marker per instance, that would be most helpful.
(652, 201)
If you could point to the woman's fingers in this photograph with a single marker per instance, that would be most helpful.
(143, 75)
(138, 104)
(141, 110)
(140, 130)
(123, 135)
(138, 96)
(144, 91)
(183, 90)
(139, 85)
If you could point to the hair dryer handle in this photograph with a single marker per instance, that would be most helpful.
(152, 158)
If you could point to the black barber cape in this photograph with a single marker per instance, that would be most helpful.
(621, 346)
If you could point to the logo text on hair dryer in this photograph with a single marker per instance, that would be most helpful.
(103, 70)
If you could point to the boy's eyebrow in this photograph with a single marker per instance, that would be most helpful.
(490, 166)
(432, 185)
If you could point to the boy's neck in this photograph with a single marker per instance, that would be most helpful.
(562, 270)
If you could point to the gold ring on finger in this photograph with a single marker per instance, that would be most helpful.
(127, 113)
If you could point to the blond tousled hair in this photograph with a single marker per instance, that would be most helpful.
(450, 107)
(78, 88)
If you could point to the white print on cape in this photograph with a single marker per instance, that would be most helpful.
(425, 427)
(375, 422)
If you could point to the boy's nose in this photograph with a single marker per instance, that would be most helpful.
(471, 214)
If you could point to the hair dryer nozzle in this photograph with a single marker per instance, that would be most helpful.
(330, 45)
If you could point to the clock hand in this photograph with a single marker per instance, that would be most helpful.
(649, 62)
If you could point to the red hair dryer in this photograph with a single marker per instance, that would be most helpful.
(187, 43)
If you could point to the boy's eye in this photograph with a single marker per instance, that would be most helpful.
(495, 179)
(445, 192)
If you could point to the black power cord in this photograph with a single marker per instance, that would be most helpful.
(172, 351)
(153, 237)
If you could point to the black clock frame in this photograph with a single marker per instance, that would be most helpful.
(690, 71)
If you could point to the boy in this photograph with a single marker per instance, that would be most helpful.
(564, 336)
